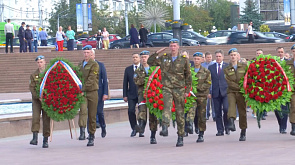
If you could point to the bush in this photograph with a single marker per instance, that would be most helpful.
(264, 28)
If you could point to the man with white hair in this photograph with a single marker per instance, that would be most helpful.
(35, 39)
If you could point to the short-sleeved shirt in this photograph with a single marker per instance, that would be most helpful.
(70, 34)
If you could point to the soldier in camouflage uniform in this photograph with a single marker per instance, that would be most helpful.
(139, 79)
(204, 82)
(233, 73)
(176, 80)
(291, 65)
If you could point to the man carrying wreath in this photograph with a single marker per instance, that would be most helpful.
(90, 73)
(233, 73)
(177, 82)
(37, 106)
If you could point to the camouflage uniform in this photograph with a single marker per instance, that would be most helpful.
(139, 79)
(235, 97)
(291, 67)
(204, 83)
(175, 77)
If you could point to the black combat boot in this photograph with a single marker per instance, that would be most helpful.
(293, 129)
(197, 130)
(200, 137)
(179, 141)
(90, 140)
(231, 124)
(189, 127)
(243, 135)
(45, 142)
(164, 131)
(82, 133)
(34, 141)
(153, 138)
(103, 132)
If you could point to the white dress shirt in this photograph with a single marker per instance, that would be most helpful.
(136, 65)
(8, 28)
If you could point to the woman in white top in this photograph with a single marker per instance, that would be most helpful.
(60, 38)
(105, 39)
(250, 33)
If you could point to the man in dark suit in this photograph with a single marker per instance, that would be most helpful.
(21, 36)
(130, 92)
(102, 95)
(219, 93)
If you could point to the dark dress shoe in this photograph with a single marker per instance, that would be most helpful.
(179, 141)
(45, 142)
(227, 131)
(214, 119)
(283, 131)
(133, 133)
(153, 141)
(185, 134)
(189, 127)
(219, 134)
(141, 135)
(103, 132)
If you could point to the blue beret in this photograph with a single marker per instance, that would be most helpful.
(145, 52)
(174, 40)
(39, 58)
(232, 50)
(293, 47)
(87, 47)
(198, 54)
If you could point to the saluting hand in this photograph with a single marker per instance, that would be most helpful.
(161, 50)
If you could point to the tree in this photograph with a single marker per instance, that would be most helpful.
(251, 13)
(220, 12)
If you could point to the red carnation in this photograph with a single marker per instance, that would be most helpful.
(185, 100)
(283, 88)
(275, 64)
(262, 74)
(151, 100)
(155, 105)
(153, 94)
(261, 92)
(154, 88)
(284, 82)
(277, 73)
(278, 78)
(257, 98)
(158, 84)
(280, 93)
(256, 89)
(267, 72)
(255, 73)
(262, 100)
(275, 96)
(157, 91)
(251, 95)
(161, 86)
(156, 98)
(160, 78)
(258, 77)
(155, 81)
(272, 60)
(149, 91)
(160, 102)
(173, 109)
(161, 107)
(149, 95)
(263, 80)
(161, 95)
(156, 76)
(261, 69)
(268, 66)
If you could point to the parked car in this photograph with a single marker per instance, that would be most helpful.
(220, 37)
(51, 42)
(196, 36)
(292, 38)
(277, 35)
(240, 38)
(154, 40)
(92, 40)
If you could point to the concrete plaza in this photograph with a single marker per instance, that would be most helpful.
(263, 146)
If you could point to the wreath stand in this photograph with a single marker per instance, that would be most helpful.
(73, 123)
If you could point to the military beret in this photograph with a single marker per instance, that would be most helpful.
(174, 40)
(39, 58)
(145, 52)
(87, 47)
(293, 47)
(232, 50)
(28, 26)
(198, 54)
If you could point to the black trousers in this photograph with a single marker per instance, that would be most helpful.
(28, 43)
(282, 121)
(70, 44)
(251, 38)
(22, 46)
(9, 41)
(221, 109)
(43, 42)
(131, 112)
(100, 114)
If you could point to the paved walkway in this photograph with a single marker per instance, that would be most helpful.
(263, 146)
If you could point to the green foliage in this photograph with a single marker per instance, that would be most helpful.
(264, 28)
(220, 12)
(251, 13)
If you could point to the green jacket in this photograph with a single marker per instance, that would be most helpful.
(175, 74)
(139, 78)
(204, 82)
(233, 76)
(290, 64)
(90, 75)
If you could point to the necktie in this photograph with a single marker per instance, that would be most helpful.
(219, 69)
(135, 67)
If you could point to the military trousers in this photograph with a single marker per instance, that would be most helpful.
(142, 113)
(37, 109)
(153, 122)
(89, 108)
(176, 95)
(199, 109)
(236, 99)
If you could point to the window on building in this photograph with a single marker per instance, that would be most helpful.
(33, 12)
(114, 6)
(27, 15)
